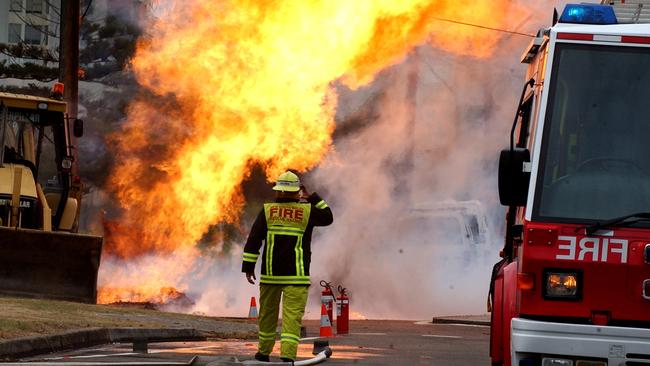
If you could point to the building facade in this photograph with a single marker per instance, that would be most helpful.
(31, 22)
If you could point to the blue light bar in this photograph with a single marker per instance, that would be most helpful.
(588, 14)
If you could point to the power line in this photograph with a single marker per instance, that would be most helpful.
(55, 9)
(435, 73)
(484, 27)
(37, 27)
(90, 2)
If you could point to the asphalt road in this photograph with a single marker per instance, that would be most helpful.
(370, 342)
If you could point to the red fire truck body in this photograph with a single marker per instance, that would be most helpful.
(573, 287)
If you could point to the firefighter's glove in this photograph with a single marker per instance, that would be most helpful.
(250, 276)
(304, 193)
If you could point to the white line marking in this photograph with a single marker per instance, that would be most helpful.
(425, 322)
(468, 325)
(309, 338)
(169, 350)
(440, 336)
(91, 356)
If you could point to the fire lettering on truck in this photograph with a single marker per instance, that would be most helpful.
(591, 249)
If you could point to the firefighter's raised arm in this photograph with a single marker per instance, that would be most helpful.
(321, 214)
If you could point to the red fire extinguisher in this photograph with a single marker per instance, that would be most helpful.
(327, 299)
(342, 312)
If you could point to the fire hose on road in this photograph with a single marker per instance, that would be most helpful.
(322, 356)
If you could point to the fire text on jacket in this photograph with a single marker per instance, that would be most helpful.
(293, 214)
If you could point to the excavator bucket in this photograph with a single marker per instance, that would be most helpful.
(50, 265)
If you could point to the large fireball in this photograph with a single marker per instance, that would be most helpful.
(229, 85)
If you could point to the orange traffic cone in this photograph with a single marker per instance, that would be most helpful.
(252, 312)
(325, 324)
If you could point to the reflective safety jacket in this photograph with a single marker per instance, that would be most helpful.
(286, 227)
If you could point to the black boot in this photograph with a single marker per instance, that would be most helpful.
(284, 359)
(261, 357)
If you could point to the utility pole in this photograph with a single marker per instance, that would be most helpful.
(69, 55)
(69, 76)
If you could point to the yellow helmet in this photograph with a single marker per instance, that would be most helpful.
(287, 182)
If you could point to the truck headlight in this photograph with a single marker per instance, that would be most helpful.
(561, 285)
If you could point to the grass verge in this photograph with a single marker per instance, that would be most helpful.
(33, 317)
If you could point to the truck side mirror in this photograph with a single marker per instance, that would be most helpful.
(514, 176)
(78, 128)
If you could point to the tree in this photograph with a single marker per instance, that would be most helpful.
(108, 47)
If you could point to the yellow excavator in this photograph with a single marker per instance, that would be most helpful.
(41, 253)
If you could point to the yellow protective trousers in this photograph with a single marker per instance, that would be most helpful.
(294, 299)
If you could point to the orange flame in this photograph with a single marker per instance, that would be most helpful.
(231, 85)
(110, 295)
(355, 315)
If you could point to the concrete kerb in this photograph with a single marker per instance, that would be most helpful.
(32, 346)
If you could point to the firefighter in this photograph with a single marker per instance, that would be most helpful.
(286, 227)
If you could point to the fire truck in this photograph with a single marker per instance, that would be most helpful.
(573, 287)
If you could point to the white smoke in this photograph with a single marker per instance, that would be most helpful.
(440, 146)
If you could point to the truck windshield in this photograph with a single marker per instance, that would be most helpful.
(595, 153)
